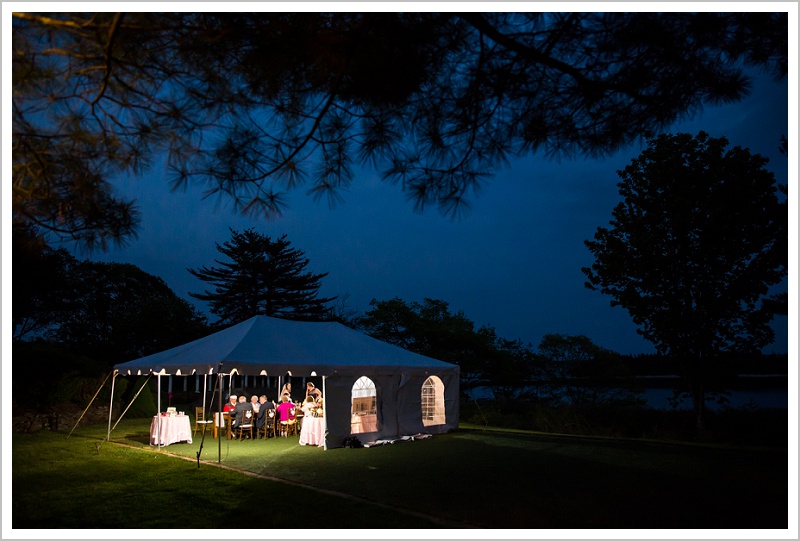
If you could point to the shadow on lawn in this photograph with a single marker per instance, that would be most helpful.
(141, 438)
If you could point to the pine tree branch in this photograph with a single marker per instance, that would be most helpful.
(112, 36)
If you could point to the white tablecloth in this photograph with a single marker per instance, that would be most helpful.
(313, 431)
(173, 429)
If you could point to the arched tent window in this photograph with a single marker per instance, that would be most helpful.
(364, 406)
(433, 402)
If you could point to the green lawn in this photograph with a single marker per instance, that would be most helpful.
(468, 478)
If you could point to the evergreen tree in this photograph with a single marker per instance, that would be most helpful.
(263, 277)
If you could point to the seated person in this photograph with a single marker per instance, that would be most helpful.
(313, 391)
(241, 408)
(265, 406)
(284, 410)
(231, 405)
(265, 403)
(254, 403)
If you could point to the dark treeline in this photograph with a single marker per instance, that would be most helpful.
(72, 331)
(654, 364)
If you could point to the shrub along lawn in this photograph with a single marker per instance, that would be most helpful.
(469, 478)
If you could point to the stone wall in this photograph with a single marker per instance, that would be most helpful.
(62, 418)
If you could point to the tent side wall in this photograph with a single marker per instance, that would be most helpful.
(399, 404)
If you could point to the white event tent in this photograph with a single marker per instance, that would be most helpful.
(266, 346)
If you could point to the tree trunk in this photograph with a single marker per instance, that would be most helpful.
(699, 404)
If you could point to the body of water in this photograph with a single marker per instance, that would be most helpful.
(756, 392)
(758, 399)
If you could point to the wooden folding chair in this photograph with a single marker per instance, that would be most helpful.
(246, 426)
(200, 420)
(268, 429)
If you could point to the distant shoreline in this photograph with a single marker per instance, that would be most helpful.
(736, 383)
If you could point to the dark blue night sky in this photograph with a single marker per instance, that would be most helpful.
(512, 262)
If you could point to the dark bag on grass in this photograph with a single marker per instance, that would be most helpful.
(352, 443)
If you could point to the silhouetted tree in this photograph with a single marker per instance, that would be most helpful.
(778, 304)
(263, 277)
(343, 313)
(578, 370)
(252, 105)
(41, 281)
(692, 249)
(118, 312)
(511, 369)
(430, 328)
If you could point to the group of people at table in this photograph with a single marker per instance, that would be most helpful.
(238, 406)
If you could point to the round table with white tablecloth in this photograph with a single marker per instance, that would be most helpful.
(313, 431)
(165, 430)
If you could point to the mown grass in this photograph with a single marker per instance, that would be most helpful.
(84, 483)
(471, 477)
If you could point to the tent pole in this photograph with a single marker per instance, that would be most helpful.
(158, 415)
(325, 410)
(219, 416)
(205, 384)
(111, 404)
(121, 415)
(89, 405)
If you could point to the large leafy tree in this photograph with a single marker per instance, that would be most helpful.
(117, 312)
(430, 328)
(41, 281)
(262, 276)
(576, 370)
(693, 248)
(252, 105)
(779, 303)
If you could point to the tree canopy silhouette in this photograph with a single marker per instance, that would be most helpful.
(262, 277)
(430, 328)
(692, 250)
(42, 282)
(250, 106)
(119, 312)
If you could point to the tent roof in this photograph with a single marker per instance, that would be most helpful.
(264, 345)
